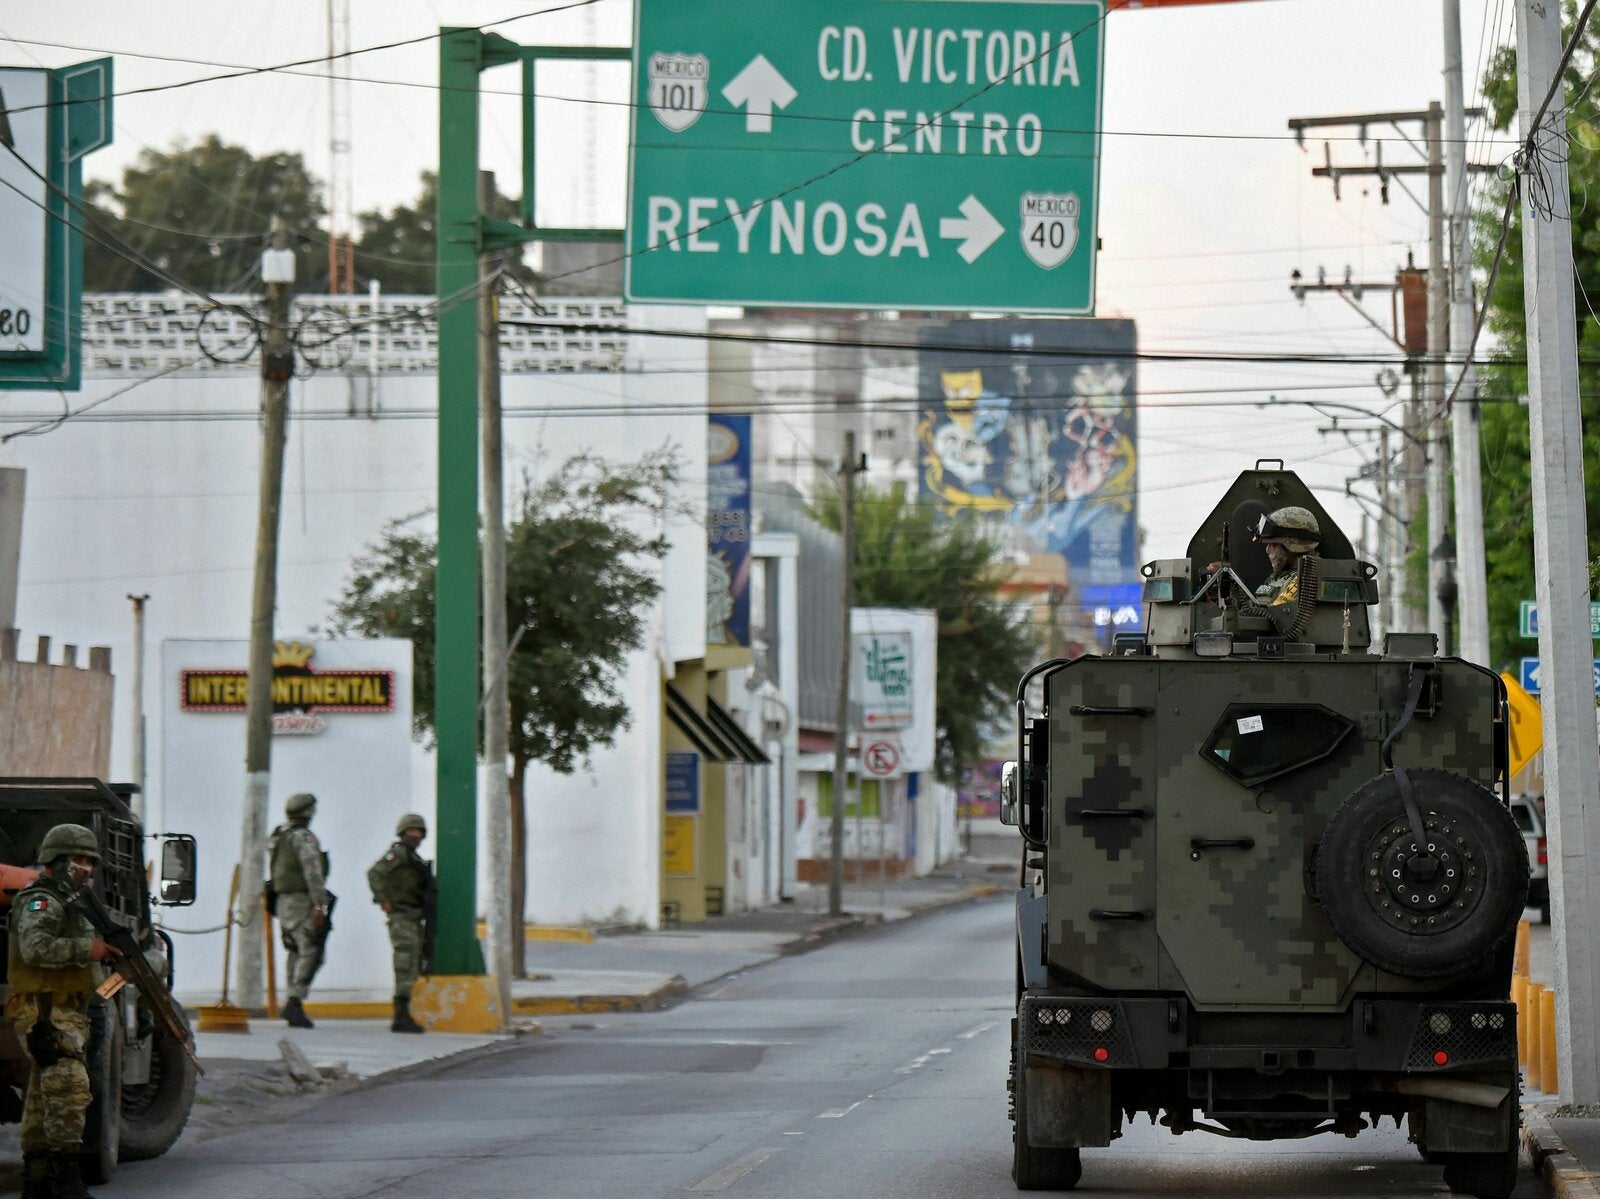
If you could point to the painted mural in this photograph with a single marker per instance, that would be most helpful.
(1032, 424)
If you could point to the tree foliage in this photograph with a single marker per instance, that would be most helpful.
(398, 247)
(909, 557)
(1506, 444)
(200, 212)
(579, 587)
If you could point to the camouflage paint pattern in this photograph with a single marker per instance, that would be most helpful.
(299, 941)
(1236, 925)
(1218, 870)
(58, 1095)
(406, 940)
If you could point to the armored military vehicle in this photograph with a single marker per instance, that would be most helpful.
(140, 1072)
(1271, 883)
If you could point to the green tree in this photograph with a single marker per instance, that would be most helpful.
(1506, 445)
(579, 585)
(397, 247)
(200, 212)
(909, 557)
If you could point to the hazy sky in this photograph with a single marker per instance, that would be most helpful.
(1206, 202)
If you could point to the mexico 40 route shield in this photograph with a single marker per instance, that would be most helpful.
(927, 154)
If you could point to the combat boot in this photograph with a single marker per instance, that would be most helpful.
(67, 1176)
(36, 1176)
(295, 1016)
(402, 1018)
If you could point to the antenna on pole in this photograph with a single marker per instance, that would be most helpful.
(341, 171)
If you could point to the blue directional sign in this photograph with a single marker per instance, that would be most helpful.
(1528, 675)
(923, 154)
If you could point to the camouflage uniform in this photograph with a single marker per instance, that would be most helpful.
(402, 878)
(51, 978)
(299, 877)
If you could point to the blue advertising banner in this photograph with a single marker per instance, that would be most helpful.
(1031, 424)
(683, 781)
(728, 529)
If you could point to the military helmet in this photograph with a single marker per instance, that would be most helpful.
(67, 839)
(301, 803)
(410, 820)
(1294, 528)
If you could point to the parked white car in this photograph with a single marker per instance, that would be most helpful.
(1528, 810)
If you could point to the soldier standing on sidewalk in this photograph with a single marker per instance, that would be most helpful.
(402, 885)
(52, 977)
(301, 900)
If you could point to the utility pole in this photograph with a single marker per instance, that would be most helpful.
(1432, 424)
(1437, 424)
(848, 468)
(277, 366)
(139, 804)
(1560, 546)
(503, 923)
(1471, 568)
(1395, 519)
(1387, 605)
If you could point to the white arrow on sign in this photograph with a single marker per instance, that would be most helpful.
(760, 86)
(976, 228)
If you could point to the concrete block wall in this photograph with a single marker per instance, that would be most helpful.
(55, 718)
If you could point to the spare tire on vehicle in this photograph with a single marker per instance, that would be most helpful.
(1422, 911)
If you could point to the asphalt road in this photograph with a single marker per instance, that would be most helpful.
(873, 1067)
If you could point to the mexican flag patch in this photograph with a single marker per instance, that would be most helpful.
(38, 905)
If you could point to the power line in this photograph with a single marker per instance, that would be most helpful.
(244, 70)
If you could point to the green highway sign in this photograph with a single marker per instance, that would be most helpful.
(1528, 619)
(924, 154)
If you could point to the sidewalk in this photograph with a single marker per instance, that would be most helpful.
(613, 972)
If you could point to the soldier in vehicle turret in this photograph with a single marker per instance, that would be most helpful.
(1288, 535)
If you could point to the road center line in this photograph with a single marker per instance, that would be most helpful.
(979, 1030)
(839, 1113)
(721, 1180)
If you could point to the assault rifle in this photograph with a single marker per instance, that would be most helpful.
(134, 967)
(319, 937)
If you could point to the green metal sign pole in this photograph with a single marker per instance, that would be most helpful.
(459, 232)
(464, 232)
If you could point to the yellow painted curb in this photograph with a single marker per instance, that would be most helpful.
(457, 1003)
(547, 932)
(349, 1011)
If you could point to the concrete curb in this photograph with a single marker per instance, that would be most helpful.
(1556, 1167)
(653, 1000)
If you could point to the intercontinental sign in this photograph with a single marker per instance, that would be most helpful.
(301, 694)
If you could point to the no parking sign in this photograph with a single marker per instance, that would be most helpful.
(880, 759)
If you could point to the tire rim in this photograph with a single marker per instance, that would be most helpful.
(1395, 880)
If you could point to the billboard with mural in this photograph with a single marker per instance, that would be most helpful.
(1031, 424)
(728, 529)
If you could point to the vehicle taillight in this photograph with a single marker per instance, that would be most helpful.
(1544, 852)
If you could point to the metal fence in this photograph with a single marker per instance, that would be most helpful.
(135, 334)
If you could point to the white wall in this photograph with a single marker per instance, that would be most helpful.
(154, 491)
(359, 768)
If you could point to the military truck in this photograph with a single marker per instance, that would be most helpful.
(140, 1074)
(1271, 884)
